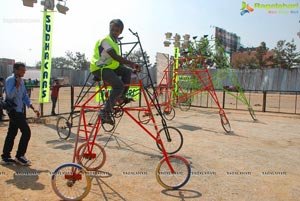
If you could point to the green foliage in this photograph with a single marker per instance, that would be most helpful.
(71, 61)
(137, 57)
(285, 55)
(61, 62)
(260, 54)
(78, 61)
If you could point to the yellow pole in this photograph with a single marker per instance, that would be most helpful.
(175, 76)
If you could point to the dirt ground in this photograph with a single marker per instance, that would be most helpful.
(256, 161)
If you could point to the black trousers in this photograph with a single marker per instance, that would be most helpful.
(17, 120)
(117, 84)
(54, 100)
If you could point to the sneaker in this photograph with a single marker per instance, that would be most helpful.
(23, 161)
(7, 161)
(106, 117)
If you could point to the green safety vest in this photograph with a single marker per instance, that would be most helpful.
(96, 57)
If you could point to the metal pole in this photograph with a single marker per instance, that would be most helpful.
(72, 98)
(264, 101)
(223, 104)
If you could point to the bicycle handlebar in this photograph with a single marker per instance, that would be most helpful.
(132, 32)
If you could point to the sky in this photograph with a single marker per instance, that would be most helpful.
(87, 21)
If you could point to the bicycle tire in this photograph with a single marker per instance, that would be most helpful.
(176, 180)
(251, 111)
(91, 161)
(185, 105)
(175, 143)
(76, 180)
(118, 112)
(63, 128)
(144, 117)
(109, 127)
(225, 123)
(169, 114)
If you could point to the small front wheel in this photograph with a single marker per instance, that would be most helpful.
(185, 105)
(173, 172)
(91, 156)
(144, 116)
(224, 121)
(109, 127)
(171, 138)
(71, 182)
(63, 127)
(169, 113)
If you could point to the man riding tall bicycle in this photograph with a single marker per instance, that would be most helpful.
(107, 65)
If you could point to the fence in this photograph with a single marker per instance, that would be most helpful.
(263, 101)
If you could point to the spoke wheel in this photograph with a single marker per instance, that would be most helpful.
(91, 157)
(172, 144)
(173, 179)
(63, 128)
(71, 182)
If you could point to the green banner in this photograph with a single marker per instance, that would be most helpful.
(133, 92)
(46, 57)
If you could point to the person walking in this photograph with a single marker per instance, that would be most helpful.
(107, 65)
(17, 95)
(1, 97)
(54, 95)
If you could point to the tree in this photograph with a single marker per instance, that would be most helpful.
(292, 57)
(61, 62)
(220, 58)
(285, 55)
(260, 54)
(137, 57)
(38, 65)
(78, 61)
(279, 55)
(252, 63)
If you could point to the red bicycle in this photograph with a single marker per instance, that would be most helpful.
(71, 181)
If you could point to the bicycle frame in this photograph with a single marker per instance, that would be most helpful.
(90, 136)
(91, 130)
(181, 96)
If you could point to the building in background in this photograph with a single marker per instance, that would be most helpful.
(230, 41)
(162, 62)
(6, 67)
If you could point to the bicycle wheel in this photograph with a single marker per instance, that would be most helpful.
(171, 138)
(71, 182)
(225, 123)
(251, 111)
(186, 105)
(144, 117)
(109, 127)
(63, 127)
(118, 112)
(173, 179)
(91, 160)
(169, 113)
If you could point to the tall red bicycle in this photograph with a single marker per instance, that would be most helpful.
(190, 78)
(71, 181)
